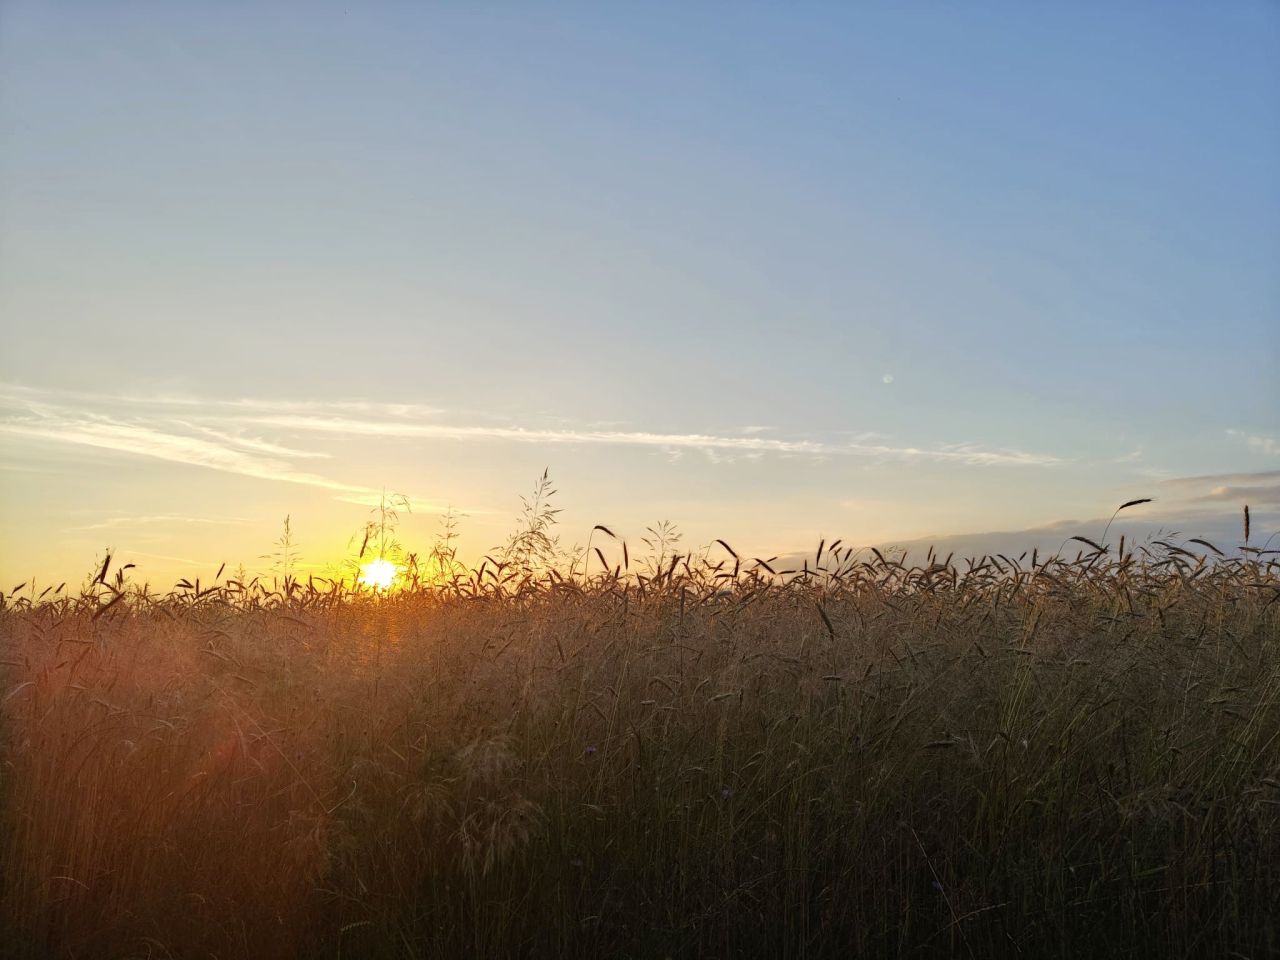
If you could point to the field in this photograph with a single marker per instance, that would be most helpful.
(693, 755)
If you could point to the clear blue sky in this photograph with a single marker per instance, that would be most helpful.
(770, 270)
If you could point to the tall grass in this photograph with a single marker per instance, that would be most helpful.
(1068, 758)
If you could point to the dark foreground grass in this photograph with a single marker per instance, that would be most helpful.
(1063, 759)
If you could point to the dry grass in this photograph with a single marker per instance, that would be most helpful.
(1058, 759)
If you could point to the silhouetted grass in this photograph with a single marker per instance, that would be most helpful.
(1070, 758)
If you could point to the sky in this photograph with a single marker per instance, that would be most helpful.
(897, 273)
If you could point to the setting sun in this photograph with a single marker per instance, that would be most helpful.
(379, 574)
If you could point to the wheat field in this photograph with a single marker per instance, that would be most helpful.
(682, 755)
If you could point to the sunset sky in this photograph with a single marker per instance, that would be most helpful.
(888, 272)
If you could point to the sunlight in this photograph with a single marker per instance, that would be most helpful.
(379, 574)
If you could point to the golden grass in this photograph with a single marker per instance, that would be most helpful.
(1058, 759)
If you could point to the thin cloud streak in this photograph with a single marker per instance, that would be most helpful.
(175, 448)
(15, 393)
(956, 453)
(256, 444)
(1242, 495)
(113, 522)
(221, 441)
(409, 421)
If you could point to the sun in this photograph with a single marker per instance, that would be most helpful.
(379, 574)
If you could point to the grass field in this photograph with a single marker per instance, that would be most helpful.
(869, 757)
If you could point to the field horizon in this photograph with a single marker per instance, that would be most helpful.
(1210, 534)
(678, 754)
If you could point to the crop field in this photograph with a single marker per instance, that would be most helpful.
(675, 756)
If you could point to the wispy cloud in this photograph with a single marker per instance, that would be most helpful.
(1248, 495)
(255, 444)
(224, 434)
(185, 404)
(111, 523)
(965, 453)
(1258, 441)
(149, 428)
(142, 440)
(1259, 488)
(1191, 486)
